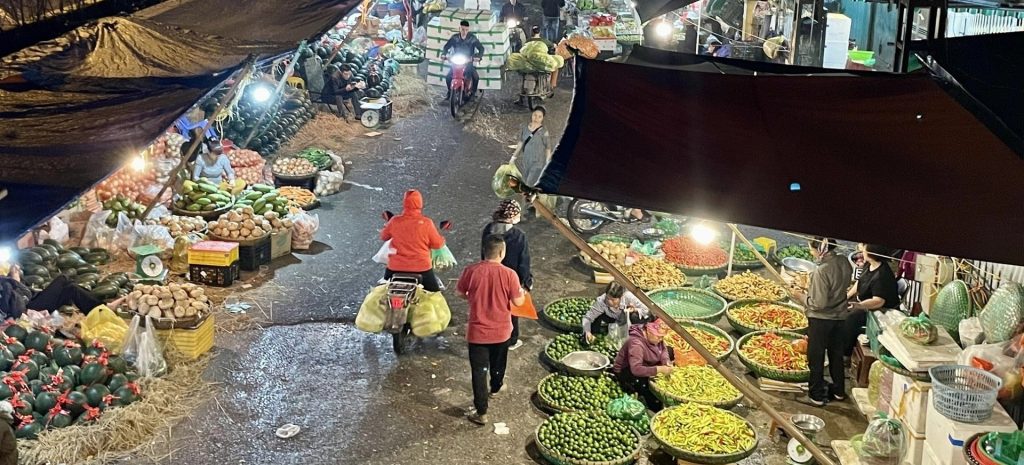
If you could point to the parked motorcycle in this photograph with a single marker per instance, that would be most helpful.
(589, 216)
(462, 87)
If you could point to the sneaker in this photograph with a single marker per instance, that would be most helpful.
(815, 402)
(839, 397)
(478, 419)
(499, 391)
(517, 345)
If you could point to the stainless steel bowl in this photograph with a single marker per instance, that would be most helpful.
(798, 265)
(585, 362)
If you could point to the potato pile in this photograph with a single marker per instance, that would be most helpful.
(614, 252)
(649, 274)
(294, 167)
(243, 224)
(180, 225)
(174, 301)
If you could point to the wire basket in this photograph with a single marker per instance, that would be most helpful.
(965, 394)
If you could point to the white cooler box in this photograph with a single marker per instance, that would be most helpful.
(946, 437)
(910, 402)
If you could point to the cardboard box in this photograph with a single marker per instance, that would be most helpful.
(910, 401)
(946, 437)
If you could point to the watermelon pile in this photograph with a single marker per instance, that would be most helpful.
(285, 117)
(43, 263)
(377, 73)
(54, 383)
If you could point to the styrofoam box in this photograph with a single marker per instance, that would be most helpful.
(495, 58)
(837, 27)
(929, 455)
(485, 84)
(947, 437)
(492, 72)
(477, 4)
(912, 397)
(915, 450)
(489, 47)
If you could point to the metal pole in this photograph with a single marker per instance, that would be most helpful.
(224, 101)
(700, 20)
(751, 393)
(277, 91)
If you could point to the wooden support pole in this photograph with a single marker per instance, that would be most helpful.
(750, 392)
(224, 101)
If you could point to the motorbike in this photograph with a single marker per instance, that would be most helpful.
(516, 34)
(461, 90)
(401, 296)
(588, 216)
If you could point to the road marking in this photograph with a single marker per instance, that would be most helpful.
(364, 186)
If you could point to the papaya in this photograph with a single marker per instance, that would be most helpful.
(208, 188)
(194, 207)
(204, 201)
(258, 205)
(262, 188)
(209, 207)
(253, 196)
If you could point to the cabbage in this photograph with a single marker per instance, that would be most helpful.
(534, 48)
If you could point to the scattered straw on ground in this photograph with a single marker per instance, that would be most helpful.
(411, 94)
(489, 124)
(326, 131)
(140, 428)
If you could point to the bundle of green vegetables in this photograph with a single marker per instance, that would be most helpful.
(534, 58)
(318, 157)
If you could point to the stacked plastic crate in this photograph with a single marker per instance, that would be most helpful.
(483, 24)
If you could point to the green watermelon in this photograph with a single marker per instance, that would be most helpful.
(45, 401)
(59, 420)
(25, 403)
(16, 332)
(29, 367)
(65, 356)
(16, 348)
(37, 341)
(71, 373)
(36, 386)
(117, 364)
(93, 351)
(93, 373)
(1003, 313)
(41, 359)
(46, 374)
(125, 396)
(26, 257)
(952, 305)
(95, 394)
(6, 359)
(117, 381)
(5, 392)
(77, 402)
(28, 430)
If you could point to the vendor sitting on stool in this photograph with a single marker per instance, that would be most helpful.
(642, 357)
(612, 307)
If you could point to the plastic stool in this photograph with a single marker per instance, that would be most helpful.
(767, 244)
(296, 82)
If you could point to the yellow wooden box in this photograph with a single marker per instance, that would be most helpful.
(190, 342)
(213, 253)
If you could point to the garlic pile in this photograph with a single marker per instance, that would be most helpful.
(243, 223)
(180, 225)
(173, 301)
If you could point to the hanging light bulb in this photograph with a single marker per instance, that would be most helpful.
(703, 234)
(139, 163)
(663, 29)
(5, 255)
(261, 93)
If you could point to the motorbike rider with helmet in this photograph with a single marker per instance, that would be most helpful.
(464, 43)
(412, 236)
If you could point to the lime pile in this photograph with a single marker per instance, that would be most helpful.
(579, 393)
(570, 310)
(566, 344)
(583, 436)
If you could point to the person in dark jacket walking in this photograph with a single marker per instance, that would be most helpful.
(552, 16)
(642, 357)
(825, 301)
(517, 251)
(8, 444)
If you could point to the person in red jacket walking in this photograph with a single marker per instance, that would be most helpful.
(412, 236)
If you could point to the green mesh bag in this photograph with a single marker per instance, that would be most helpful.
(952, 305)
(1003, 314)
(626, 408)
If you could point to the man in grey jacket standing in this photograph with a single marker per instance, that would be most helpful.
(825, 301)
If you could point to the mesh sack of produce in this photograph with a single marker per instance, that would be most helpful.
(1003, 315)
(875, 381)
(505, 180)
(430, 314)
(371, 314)
(626, 408)
(884, 441)
(540, 63)
(516, 62)
(919, 330)
(952, 305)
(442, 258)
(534, 48)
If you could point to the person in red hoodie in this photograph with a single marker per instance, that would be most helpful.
(412, 236)
(643, 356)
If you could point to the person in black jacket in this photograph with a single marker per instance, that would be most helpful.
(464, 43)
(552, 18)
(517, 251)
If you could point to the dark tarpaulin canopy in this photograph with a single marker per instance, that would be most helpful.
(650, 9)
(879, 158)
(75, 109)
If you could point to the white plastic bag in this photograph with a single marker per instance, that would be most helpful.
(971, 332)
(124, 235)
(58, 231)
(384, 254)
(97, 233)
(153, 235)
(329, 182)
(619, 332)
(142, 348)
(304, 228)
(158, 212)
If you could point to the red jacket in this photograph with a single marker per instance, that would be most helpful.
(412, 236)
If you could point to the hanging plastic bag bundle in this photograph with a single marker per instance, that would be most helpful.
(304, 228)
(383, 255)
(97, 233)
(373, 312)
(429, 314)
(150, 361)
(442, 259)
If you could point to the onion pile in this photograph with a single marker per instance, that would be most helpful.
(294, 167)
(248, 165)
